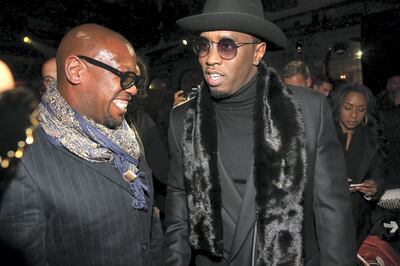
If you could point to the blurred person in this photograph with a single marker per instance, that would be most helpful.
(17, 122)
(296, 73)
(257, 174)
(6, 78)
(16, 117)
(389, 109)
(83, 192)
(323, 85)
(158, 104)
(361, 136)
(49, 73)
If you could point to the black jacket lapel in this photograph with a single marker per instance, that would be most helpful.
(231, 199)
(246, 219)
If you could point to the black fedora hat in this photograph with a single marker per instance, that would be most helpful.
(245, 16)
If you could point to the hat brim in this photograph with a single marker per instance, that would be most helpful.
(235, 21)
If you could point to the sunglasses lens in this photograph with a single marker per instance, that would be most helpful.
(128, 80)
(227, 48)
(201, 47)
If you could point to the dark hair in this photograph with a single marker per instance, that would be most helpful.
(135, 106)
(373, 126)
(144, 73)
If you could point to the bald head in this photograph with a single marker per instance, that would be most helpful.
(90, 59)
(89, 40)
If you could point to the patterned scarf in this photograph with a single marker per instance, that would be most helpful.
(93, 142)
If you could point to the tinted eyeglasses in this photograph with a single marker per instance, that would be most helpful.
(128, 78)
(227, 48)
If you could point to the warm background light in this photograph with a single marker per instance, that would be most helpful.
(359, 54)
(27, 40)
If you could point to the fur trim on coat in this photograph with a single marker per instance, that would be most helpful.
(279, 171)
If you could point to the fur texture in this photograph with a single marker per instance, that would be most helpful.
(279, 170)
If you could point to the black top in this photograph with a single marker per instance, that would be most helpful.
(355, 150)
(234, 116)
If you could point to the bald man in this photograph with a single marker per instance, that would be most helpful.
(49, 73)
(83, 194)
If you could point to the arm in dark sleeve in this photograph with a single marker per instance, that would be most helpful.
(332, 205)
(22, 218)
(377, 170)
(176, 249)
(156, 239)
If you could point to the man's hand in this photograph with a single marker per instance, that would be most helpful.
(368, 188)
(179, 97)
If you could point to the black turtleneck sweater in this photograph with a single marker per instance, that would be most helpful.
(234, 116)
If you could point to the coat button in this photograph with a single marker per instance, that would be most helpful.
(144, 246)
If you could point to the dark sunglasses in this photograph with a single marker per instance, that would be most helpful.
(128, 78)
(227, 48)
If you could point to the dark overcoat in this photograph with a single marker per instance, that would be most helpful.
(328, 230)
(63, 210)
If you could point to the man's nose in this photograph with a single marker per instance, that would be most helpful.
(132, 90)
(213, 56)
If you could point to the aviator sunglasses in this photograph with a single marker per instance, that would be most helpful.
(227, 48)
(128, 78)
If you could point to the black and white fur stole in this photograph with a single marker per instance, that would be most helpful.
(279, 170)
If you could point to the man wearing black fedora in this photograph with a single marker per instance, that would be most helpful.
(257, 175)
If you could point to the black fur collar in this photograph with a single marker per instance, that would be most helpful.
(279, 170)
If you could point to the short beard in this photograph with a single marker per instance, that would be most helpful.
(218, 94)
(111, 123)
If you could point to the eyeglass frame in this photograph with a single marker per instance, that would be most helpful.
(236, 46)
(122, 75)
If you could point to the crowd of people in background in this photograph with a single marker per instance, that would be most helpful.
(102, 164)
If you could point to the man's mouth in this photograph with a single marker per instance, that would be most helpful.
(214, 79)
(121, 104)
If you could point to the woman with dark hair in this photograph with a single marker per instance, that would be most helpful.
(359, 131)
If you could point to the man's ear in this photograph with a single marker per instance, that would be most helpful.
(261, 48)
(74, 69)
